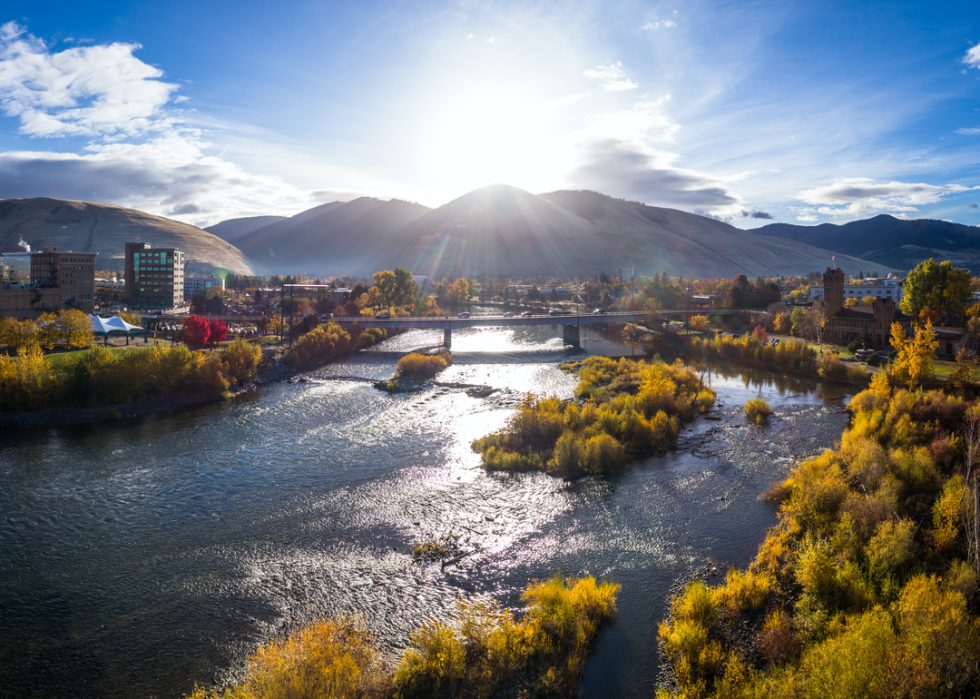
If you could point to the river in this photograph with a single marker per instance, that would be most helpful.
(140, 557)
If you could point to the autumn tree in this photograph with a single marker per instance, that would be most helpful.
(197, 330)
(913, 365)
(75, 327)
(216, 331)
(937, 285)
(48, 332)
(458, 292)
(699, 323)
(395, 288)
(17, 334)
(782, 323)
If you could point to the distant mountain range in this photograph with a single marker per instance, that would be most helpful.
(85, 227)
(497, 230)
(504, 231)
(235, 228)
(888, 241)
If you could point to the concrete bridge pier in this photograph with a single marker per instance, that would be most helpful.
(570, 335)
(447, 338)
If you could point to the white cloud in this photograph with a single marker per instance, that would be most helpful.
(613, 77)
(971, 131)
(666, 24)
(972, 57)
(491, 39)
(470, 36)
(83, 91)
(168, 176)
(616, 157)
(859, 196)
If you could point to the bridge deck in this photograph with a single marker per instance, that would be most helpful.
(455, 323)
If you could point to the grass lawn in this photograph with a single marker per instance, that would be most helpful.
(58, 359)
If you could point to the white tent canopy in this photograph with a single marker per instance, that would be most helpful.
(114, 325)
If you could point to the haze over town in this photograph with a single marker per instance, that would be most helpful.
(751, 112)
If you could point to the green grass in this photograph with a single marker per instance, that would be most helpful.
(59, 359)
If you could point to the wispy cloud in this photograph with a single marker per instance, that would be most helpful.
(971, 131)
(613, 77)
(859, 196)
(757, 214)
(972, 57)
(666, 24)
(83, 91)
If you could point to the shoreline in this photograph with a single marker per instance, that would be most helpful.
(272, 369)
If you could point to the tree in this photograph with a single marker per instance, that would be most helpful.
(18, 334)
(913, 365)
(48, 332)
(217, 331)
(937, 285)
(458, 292)
(395, 288)
(699, 324)
(197, 330)
(75, 327)
(554, 295)
(782, 323)
(533, 294)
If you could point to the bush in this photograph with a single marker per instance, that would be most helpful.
(757, 410)
(241, 361)
(423, 365)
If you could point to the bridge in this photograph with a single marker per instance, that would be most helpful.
(570, 323)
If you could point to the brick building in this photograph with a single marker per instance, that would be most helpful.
(845, 324)
(73, 273)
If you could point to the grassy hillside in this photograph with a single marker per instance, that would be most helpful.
(235, 228)
(888, 241)
(335, 238)
(105, 229)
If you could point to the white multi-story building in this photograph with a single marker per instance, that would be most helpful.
(873, 287)
(194, 284)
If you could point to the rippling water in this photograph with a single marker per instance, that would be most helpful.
(139, 557)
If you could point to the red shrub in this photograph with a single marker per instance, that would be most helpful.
(197, 330)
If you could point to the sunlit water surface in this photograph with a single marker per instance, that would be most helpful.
(139, 557)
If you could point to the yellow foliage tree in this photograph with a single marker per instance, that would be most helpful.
(459, 291)
(75, 328)
(915, 355)
(699, 324)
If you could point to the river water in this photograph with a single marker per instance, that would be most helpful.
(140, 557)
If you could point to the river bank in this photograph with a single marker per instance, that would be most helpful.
(144, 555)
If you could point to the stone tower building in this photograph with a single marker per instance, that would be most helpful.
(833, 290)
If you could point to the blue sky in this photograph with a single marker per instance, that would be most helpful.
(802, 112)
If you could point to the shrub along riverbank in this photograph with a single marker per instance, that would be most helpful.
(868, 586)
(486, 652)
(103, 377)
(630, 410)
(327, 342)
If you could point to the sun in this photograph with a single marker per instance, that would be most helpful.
(492, 134)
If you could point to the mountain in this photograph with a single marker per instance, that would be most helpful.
(336, 238)
(237, 227)
(504, 231)
(888, 241)
(105, 229)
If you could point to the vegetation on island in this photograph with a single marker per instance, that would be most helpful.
(868, 585)
(418, 365)
(484, 651)
(757, 410)
(629, 410)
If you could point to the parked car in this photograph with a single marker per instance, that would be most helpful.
(464, 314)
(508, 314)
(382, 315)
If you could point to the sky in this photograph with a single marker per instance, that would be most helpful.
(752, 112)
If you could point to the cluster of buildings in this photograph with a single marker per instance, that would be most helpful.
(43, 282)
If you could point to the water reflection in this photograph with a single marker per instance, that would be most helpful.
(142, 556)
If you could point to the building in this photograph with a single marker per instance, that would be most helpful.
(874, 287)
(71, 272)
(848, 323)
(193, 284)
(154, 276)
(15, 267)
